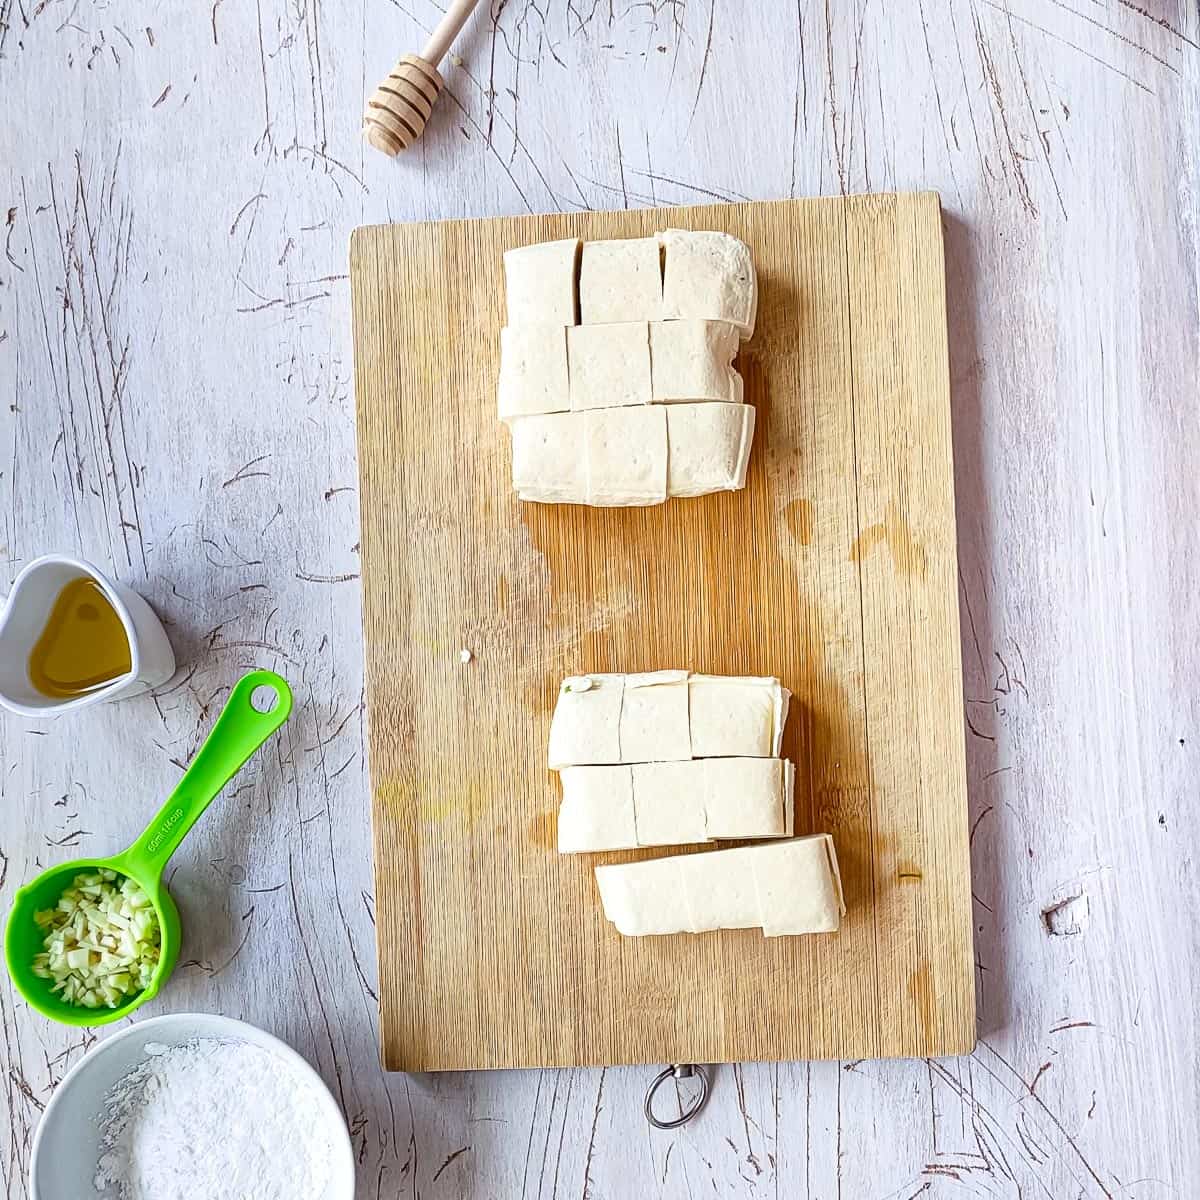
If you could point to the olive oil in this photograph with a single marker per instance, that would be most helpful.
(84, 645)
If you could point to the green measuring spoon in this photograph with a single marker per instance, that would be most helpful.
(240, 730)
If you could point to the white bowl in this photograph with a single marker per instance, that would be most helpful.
(66, 1147)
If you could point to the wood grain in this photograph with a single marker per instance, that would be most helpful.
(494, 951)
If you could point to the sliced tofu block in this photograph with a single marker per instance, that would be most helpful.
(644, 897)
(641, 718)
(789, 887)
(798, 885)
(609, 365)
(719, 890)
(586, 726)
(669, 803)
(533, 370)
(541, 283)
(708, 447)
(674, 803)
(654, 718)
(733, 717)
(620, 281)
(626, 451)
(597, 810)
(709, 275)
(746, 797)
(693, 360)
(550, 458)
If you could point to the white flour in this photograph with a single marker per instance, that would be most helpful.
(214, 1120)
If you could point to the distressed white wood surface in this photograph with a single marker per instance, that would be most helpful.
(179, 183)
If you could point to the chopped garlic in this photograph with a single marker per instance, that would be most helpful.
(102, 942)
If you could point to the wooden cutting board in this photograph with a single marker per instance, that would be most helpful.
(834, 569)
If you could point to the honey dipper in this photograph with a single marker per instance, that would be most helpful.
(398, 108)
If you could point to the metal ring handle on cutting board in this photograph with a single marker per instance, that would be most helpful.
(677, 1071)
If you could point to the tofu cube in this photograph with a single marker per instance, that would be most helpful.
(540, 283)
(709, 275)
(744, 797)
(720, 891)
(626, 452)
(734, 717)
(609, 365)
(798, 886)
(550, 458)
(586, 726)
(668, 803)
(693, 360)
(620, 281)
(533, 370)
(597, 810)
(644, 897)
(654, 718)
(708, 447)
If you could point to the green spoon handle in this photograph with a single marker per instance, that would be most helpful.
(239, 731)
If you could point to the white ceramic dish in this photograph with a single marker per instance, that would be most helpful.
(34, 591)
(66, 1147)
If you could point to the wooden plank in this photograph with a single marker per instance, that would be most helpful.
(906, 517)
(493, 949)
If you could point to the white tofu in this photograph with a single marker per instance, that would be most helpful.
(533, 370)
(626, 452)
(654, 718)
(597, 810)
(540, 283)
(798, 886)
(586, 726)
(667, 716)
(708, 447)
(709, 275)
(608, 366)
(669, 803)
(677, 803)
(735, 716)
(644, 897)
(550, 458)
(719, 890)
(693, 360)
(788, 887)
(745, 797)
(620, 281)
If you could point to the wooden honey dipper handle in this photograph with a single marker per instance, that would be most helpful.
(447, 30)
(399, 107)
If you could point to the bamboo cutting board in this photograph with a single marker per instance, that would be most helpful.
(834, 569)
